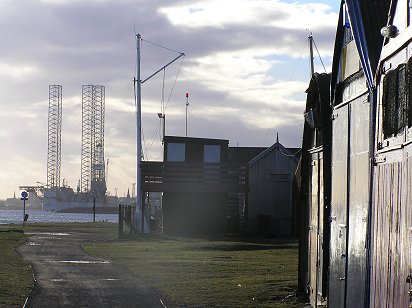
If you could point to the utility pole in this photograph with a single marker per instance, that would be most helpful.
(138, 97)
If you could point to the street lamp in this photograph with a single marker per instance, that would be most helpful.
(163, 116)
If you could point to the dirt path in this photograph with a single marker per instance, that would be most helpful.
(68, 277)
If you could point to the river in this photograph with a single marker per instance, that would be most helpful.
(16, 217)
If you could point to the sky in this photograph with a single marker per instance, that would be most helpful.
(246, 69)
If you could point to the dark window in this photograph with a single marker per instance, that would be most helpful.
(395, 101)
(409, 92)
(176, 152)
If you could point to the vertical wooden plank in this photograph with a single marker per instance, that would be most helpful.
(313, 232)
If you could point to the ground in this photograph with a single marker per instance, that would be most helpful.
(59, 260)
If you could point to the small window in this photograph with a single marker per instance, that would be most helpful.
(176, 152)
(211, 154)
(395, 101)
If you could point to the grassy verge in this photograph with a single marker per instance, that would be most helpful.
(16, 279)
(211, 273)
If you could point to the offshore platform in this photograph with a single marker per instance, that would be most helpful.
(91, 188)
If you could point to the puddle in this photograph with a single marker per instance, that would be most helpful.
(58, 280)
(81, 262)
(110, 279)
(48, 233)
(32, 244)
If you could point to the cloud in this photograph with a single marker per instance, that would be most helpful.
(245, 69)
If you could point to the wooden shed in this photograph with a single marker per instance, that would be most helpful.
(271, 177)
(199, 185)
(391, 223)
(314, 205)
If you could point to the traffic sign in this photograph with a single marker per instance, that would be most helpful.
(24, 195)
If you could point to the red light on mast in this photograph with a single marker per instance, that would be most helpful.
(187, 94)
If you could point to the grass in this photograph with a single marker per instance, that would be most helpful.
(189, 272)
(100, 231)
(211, 273)
(16, 279)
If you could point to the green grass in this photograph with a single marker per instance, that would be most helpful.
(211, 273)
(192, 272)
(16, 279)
(98, 230)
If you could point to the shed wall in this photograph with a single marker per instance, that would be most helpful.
(350, 196)
(270, 180)
(392, 220)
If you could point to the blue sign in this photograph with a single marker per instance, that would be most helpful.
(24, 194)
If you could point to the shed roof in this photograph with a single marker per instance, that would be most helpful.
(242, 155)
(293, 153)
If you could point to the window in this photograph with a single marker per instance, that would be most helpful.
(176, 152)
(211, 154)
(395, 100)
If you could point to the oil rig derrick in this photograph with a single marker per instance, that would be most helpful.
(93, 180)
(54, 137)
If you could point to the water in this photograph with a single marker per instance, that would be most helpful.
(16, 217)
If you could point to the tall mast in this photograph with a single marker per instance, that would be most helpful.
(138, 98)
(138, 101)
(310, 41)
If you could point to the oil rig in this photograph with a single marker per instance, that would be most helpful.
(91, 188)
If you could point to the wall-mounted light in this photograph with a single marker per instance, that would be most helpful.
(389, 31)
(163, 116)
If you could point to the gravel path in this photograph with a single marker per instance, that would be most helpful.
(66, 276)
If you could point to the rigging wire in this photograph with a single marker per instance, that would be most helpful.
(297, 63)
(144, 143)
(167, 48)
(163, 106)
(174, 84)
(157, 130)
(316, 47)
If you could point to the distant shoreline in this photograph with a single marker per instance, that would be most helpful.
(89, 210)
(80, 210)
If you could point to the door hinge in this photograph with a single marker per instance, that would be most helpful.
(379, 159)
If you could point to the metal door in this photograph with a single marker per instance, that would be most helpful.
(337, 276)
